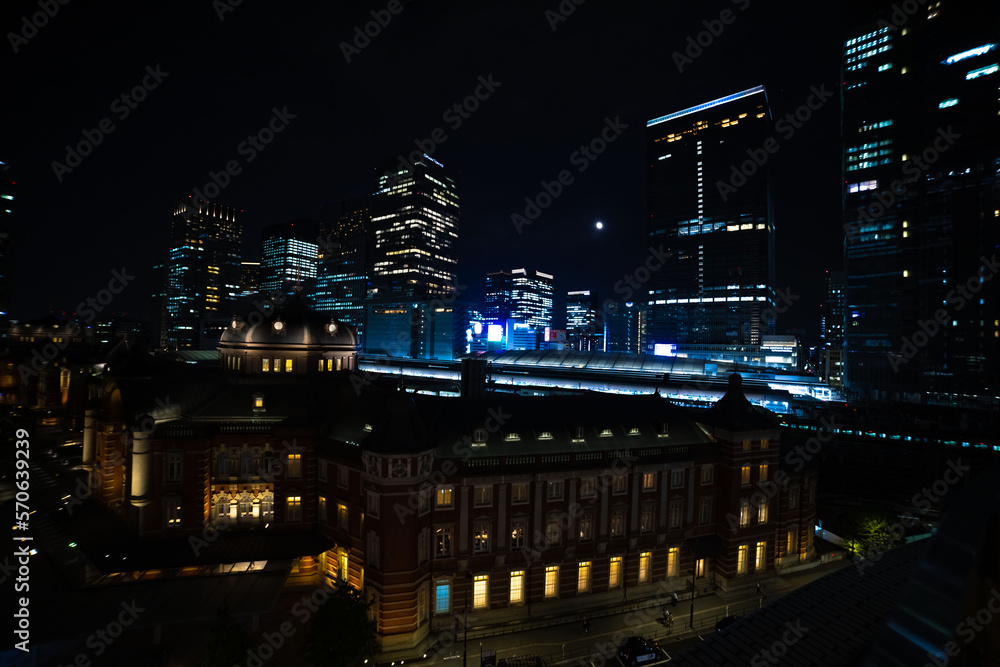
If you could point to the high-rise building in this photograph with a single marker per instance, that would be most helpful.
(582, 326)
(623, 326)
(581, 311)
(497, 296)
(7, 185)
(921, 131)
(832, 319)
(832, 310)
(415, 216)
(201, 272)
(289, 252)
(531, 297)
(346, 244)
(710, 223)
(249, 278)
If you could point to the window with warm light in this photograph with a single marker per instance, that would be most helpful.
(342, 517)
(265, 365)
(673, 560)
(761, 563)
(517, 587)
(649, 481)
(586, 527)
(615, 577)
(741, 559)
(444, 496)
(294, 467)
(645, 558)
(763, 472)
(293, 508)
(552, 581)
(322, 509)
(746, 445)
(745, 475)
(518, 527)
(619, 485)
(762, 512)
(744, 512)
(481, 538)
(583, 577)
(480, 591)
(699, 567)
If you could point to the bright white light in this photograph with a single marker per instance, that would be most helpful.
(600, 225)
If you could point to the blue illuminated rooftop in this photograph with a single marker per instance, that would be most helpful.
(707, 105)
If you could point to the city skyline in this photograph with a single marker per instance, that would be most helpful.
(297, 171)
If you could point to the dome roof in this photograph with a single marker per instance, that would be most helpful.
(289, 324)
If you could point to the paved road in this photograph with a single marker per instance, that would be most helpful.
(567, 644)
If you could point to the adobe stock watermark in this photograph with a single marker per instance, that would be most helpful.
(454, 116)
(122, 106)
(958, 296)
(787, 126)
(88, 309)
(923, 499)
(967, 630)
(768, 317)
(418, 499)
(581, 158)
(248, 149)
(30, 25)
(562, 12)
(901, 13)
(606, 653)
(779, 648)
(381, 18)
(223, 7)
(696, 44)
(102, 638)
(912, 168)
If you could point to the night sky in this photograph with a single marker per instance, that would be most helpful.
(222, 78)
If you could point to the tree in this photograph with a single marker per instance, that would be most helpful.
(227, 641)
(343, 634)
(869, 532)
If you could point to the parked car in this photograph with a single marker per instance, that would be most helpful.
(636, 651)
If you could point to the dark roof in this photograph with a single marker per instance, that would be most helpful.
(836, 618)
(734, 412)
(300, 326)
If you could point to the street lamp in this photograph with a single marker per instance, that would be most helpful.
(694, 591)
(465, 625)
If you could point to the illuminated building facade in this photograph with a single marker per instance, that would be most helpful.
(201, 272)
(289, 253)
(497, 296)
(921, 129)
(709, 213)
(415, 214)
(559, 504)
(345, 265)
(249, 278)
(624, 326)
(831, 329)
(531, 297)
(581, 320)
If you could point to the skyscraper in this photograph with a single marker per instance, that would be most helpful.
(201, 271)
(531, 297)
(346, 246)
(288, 253)
(921, 208)
(832, 329)
(624, 324)
(415, 217)
(496, 296)
(709, 211)
(581, 320)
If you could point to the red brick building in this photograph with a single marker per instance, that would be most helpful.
(509, 506)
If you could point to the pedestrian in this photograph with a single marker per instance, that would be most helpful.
(759, 590)
(586, 625)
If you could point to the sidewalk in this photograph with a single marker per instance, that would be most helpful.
(562, 640)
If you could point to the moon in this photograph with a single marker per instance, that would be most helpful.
(599, 225)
